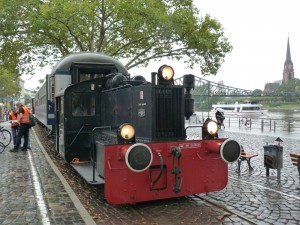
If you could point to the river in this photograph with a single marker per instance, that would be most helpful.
(274, 123)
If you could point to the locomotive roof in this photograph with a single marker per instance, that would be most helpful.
(64, 65)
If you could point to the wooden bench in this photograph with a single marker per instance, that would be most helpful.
(245, 157)
(296, 160)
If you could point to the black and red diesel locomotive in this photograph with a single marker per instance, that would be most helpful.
(130, 134)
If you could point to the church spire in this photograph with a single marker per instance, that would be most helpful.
(288, 58)
(288, 70)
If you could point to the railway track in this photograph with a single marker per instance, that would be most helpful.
(244, 219)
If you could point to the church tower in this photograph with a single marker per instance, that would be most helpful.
(288, 70)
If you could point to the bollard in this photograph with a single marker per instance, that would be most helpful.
(262, 124)
(270, 124)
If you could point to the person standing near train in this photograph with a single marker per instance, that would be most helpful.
(23, 121)
(13, 114)
(220, 118)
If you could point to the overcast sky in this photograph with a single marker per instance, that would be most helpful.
(258, 31)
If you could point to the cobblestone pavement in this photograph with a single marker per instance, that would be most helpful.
(263, 199)
(249, 194)
(32, 193)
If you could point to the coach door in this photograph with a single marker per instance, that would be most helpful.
(80, 112)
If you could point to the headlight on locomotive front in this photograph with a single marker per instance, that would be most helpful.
(165, 73)
(212, 127)
(138, 157)
(126, 131)
(209, 129)
(126, 134)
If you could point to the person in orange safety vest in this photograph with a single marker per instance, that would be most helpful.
(23, 121)
(13, 114)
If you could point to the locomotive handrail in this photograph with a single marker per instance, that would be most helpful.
(117, 88)
(77, 134)
(190, 127)
(80, 132)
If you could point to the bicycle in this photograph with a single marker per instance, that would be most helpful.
(2, 147)
(244, 122)
(221, 125)
(5, 136)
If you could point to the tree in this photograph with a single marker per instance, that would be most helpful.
(27, 99)
(39, 32)
(257, 92)
(292, 86)
(9, 85)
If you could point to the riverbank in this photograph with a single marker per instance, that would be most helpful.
(277, 123)
(284, 106)
(276, 109)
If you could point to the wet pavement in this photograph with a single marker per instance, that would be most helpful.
(34, 192)
(261, 198)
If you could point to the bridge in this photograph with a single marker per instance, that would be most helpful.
(14, 98)
(205, 87)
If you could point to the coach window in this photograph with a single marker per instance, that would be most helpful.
(83, 104)
(84, 76)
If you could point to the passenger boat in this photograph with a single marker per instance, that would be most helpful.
(245, 107)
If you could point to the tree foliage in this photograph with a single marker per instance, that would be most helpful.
(257, 92)
(293, 86)
(9, 84)
(39, 32)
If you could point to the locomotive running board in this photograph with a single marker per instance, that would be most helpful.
(85, 170)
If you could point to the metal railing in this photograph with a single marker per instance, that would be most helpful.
(263, 124)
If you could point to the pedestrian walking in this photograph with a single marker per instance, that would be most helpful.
(23, 121)
(220, 118)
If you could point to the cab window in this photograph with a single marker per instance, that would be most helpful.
(83, 104)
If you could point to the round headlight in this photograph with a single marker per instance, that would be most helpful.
(126, 131)
(166, 72)
(212, 127)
